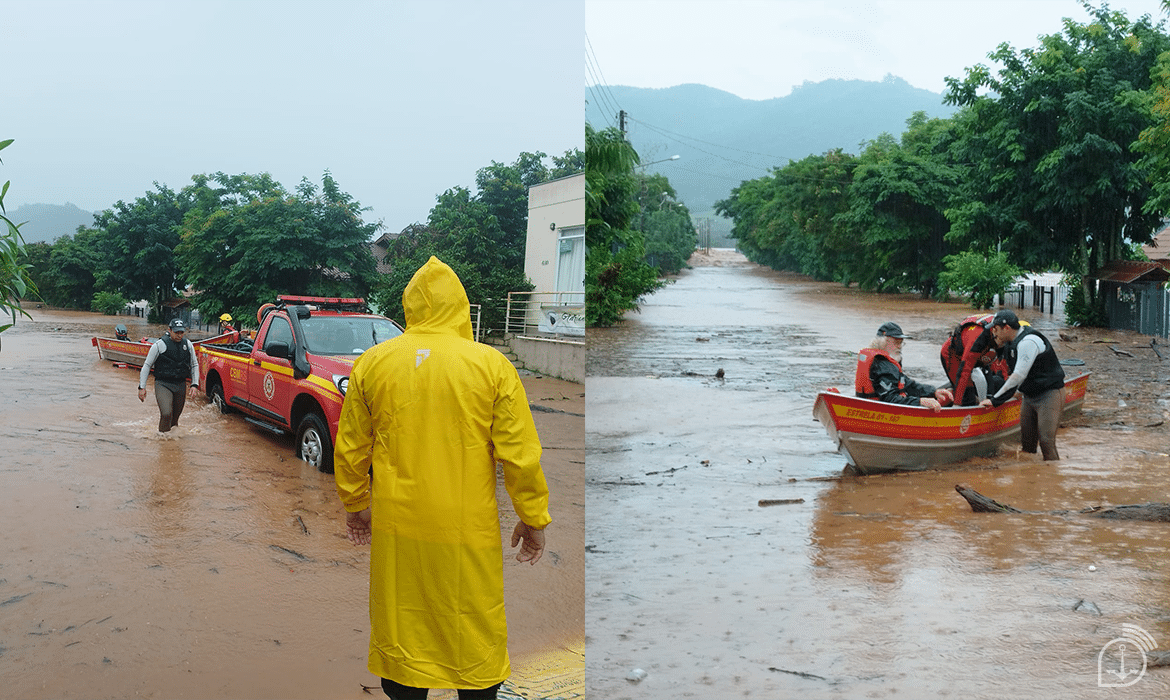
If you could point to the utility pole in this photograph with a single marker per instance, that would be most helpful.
(622, 122)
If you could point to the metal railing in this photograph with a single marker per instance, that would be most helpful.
(551, 314)
(476, 316)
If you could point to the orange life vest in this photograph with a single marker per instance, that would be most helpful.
(862, 383)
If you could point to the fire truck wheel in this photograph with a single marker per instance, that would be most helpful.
(313, 442)
(215, 393)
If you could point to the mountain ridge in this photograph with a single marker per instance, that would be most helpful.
(45, 223)
(724, 139)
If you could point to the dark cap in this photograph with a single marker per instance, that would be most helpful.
(891, 330)
(1006, 317)
(177, 325)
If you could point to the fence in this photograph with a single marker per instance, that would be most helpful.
(1144, 308)
(555, 314)
(1047, 298)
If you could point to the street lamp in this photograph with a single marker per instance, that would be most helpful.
(643, 165)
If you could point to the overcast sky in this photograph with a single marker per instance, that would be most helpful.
(760, 49)
(399, 100)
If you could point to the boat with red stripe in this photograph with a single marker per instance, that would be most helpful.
(877, 437)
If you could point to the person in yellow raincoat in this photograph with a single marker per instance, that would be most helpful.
(433, 411)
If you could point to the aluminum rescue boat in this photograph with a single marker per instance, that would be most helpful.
(877, 437)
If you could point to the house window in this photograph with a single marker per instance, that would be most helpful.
(571, 259)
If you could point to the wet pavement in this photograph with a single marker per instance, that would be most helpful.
(884, 586)
(210, 562)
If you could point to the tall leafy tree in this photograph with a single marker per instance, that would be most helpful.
(1052, 180)
(789, 220)
(897, 201)
(503, 191)
(1154, 141)
(666, 225)
(142, 237)
(616, 275)
(463, 232)
(246, 239)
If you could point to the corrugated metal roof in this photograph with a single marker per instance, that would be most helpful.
(1126, 271)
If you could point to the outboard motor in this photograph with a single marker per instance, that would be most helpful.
(121, 333)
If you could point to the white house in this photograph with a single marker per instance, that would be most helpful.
(554, 258)
(553, 335)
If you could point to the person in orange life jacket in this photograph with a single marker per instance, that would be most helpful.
(174, 362)
(972, 361)
(879, 374)
(1036, 372)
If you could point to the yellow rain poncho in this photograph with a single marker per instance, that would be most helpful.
(438, 410)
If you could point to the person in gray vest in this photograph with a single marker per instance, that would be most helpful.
(1036, 372)
(173, 359)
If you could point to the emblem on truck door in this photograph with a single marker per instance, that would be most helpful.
(269, 386)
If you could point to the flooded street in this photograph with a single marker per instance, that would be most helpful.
(210, 562)
(883, 586)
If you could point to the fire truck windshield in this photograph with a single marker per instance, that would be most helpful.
(346, 335)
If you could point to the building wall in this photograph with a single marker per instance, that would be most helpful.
(552, 206)
(556, 358)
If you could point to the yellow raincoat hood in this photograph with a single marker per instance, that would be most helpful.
(430, 413)
(435, 301)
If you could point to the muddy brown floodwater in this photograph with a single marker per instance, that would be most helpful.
(883, 586)
(210, 563)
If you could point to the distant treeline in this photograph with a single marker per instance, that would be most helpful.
(237, 241)
(1059, 160)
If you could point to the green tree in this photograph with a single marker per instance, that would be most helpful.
(463, 232)
(1154, 141)
(73, 268)
(1052, 179)
(897, 198)
(503, 191)
(980, 277)
(142, 237)
(616, 275)
(108, 303)
(665, 223)
(571, 163)
(790, 220)
(245, 239)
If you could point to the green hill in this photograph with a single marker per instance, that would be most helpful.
(723, 139)
(48, 222)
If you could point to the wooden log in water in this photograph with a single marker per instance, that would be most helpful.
(1150, 512)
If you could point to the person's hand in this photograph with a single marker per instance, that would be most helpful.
(357, 526)
(944, 397)
(533, 546)
(986, 403)
(930, 403)
(142, 395)
(192, 392)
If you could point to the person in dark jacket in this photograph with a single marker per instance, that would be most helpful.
(880, 376)
(173, 359)
(1036, 372)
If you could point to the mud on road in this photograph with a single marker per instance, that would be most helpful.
(209, 562)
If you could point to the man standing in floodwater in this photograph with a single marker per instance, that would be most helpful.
(879, 374)
(1036, 371)
(173, 359)
(433, 412)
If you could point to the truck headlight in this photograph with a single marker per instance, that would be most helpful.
(341, 382)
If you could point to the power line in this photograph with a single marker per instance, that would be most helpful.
(663, 132)
(591, 62)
